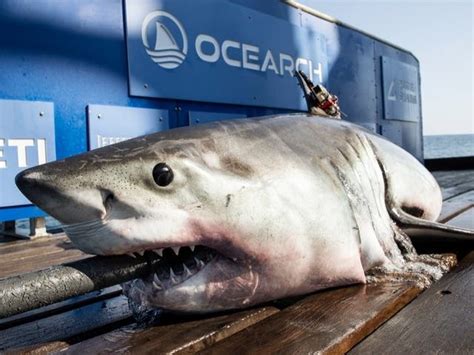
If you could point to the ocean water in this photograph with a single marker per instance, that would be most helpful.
(449, 146)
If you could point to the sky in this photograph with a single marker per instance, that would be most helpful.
(440, 34)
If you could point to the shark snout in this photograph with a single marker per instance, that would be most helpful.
(32, 185)
(65, 202)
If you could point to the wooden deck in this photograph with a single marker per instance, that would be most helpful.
(383, 318)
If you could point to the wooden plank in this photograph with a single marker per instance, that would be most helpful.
(38, 262)
(440, 321)
(184, 337)
(456, 190)
(331, 321)
(27, 251)
(16, 245)
(464, 220)
(60, 307)
(454, 183)
(47, 348)
(24, 256)
(453, 177)
(456, 205)
(44, 252)
(107, 313)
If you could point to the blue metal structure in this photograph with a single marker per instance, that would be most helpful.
(147, 65)
(109, 124)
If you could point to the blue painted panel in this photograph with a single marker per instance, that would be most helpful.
(400, 90)
(196, 117)
(411, 137)
(404, 134)
(26, 139)
(352, 77)
(12, 213)
(76, 54)
(113, 124)
(370, 126)
(227, 54)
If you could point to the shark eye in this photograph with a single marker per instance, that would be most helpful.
(162, 174)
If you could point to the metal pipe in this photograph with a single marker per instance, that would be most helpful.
(36, 289)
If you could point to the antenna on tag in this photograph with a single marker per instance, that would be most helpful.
(319, 100)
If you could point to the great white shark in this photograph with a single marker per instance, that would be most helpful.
(246, 211)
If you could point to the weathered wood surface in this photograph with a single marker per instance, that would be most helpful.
(31, 255)
(455, 183)
(90, 318)
(464, 220)
(452, 178)
(456, 205)
(331, 321)
(60, 307)
(441, 320)
(181, 338)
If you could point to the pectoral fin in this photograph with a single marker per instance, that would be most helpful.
(418, 228)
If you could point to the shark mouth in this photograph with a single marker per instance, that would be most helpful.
(177, 264)
(172, 265)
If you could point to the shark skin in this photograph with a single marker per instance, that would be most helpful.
(254, 210)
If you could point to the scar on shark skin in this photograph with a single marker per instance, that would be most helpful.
(227, 202)
(236, 166)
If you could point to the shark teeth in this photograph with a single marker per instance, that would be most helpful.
(159, 252)
(157, 282)
(187, 272)
(174, 279)
(199, 263)
(174, 265)
(177, 264)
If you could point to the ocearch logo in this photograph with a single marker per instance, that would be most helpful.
(168, 54)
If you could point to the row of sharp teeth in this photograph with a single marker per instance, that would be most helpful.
(158, 251)
(160, 285)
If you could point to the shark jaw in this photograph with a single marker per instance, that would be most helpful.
(198, 271)
(231, 267)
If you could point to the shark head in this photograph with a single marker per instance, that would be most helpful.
(187, 196)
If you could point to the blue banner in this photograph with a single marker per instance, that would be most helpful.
(113, 124)
(400, 90)
(219, 51)
(26, 139)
